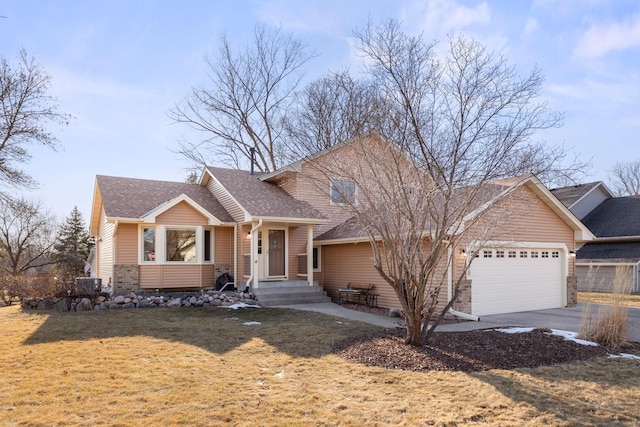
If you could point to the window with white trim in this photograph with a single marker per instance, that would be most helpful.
(534, 254)
(499, 254)
(343, 191)
(512, 254)
(180, 245)
(545, 254)
(555, 254)
(487, 254)
(149, 244)
(523, 254)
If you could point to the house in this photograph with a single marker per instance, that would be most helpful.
(289, 229)
(615, 221)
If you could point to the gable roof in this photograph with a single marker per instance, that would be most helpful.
(571, 194)
(615, 217)
(133, 198)
(610, 250)
(262, 199)
(352, 229)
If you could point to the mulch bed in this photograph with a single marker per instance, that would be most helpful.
(471, 351)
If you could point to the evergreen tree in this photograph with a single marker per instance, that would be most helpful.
(73, 245)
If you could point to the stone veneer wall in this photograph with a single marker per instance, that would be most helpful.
(220, 269)
(125, 279)
(463, 304)
(572, 291)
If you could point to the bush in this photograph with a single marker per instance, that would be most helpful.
(16, 287)
(607, 324)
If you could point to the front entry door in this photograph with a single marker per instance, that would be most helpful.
(276, 253)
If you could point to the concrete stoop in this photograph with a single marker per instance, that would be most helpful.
(287, 292)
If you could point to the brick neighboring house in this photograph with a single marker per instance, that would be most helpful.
(286, 227)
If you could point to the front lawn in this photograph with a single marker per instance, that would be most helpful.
(605, 298)
(270, 367)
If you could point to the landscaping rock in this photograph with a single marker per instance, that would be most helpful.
(84, 305)
(62, 305)
(46, 304)
(119, 299)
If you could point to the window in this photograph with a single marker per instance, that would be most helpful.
(488, 254)
(149, 244)
(499, 254)
(181, 245)
(343, 191)
(545, 254)
(534, 254)
(207, 245)
(523, 254)
(555, 254)
(512, 254)
(316, 258)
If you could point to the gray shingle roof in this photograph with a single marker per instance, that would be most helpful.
(569, 195)
(615, 217)
(133, 198)
(617, 250)
(260, 198)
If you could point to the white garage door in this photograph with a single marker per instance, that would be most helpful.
(511, 280)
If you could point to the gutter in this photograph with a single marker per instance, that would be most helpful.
(254, 229)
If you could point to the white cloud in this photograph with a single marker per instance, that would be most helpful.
(531, 26)
(602, 39)
(444, 16)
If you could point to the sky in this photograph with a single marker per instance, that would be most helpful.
(119, 66)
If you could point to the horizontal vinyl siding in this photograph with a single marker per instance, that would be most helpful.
(182, 214)
(105, 249)
(342, 264)
(223, 241)
(175, 276)
(127, 244)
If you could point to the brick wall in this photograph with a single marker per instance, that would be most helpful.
(463, 304)
(572, 291)
(125, 279)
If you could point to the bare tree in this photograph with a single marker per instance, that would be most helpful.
(451, 126)
(26, 107)
(27, 236)
(330, 110)
(243, 105)
(625, 178)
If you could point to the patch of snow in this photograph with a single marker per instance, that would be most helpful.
(567, 335)
(515, 330)
(279, 374)
(240, 305)
(251, 323)
(624, 356)
(231, 318)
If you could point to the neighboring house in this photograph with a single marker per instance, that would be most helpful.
(615, 221)
(291, 226)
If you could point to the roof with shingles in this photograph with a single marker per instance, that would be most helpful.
(610, 250)
(133, 197)
(615, 217)
(261, 198)
(571, 194)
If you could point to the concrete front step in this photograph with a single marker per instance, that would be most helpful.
(273, 296)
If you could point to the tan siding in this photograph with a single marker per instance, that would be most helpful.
(297, 245)
(182, 214)
(208, 276)
(223, 241)
(127, 241)
(105, 249)
(226, 200)
(175, 276)
(289, 183)
(342, 264)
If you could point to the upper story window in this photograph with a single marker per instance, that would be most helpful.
(180, 244)
(343, 191)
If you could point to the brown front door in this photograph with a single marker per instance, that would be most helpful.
(276, 253)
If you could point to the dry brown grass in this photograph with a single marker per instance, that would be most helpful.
(202, 367)
(633, 300)
(607, 324)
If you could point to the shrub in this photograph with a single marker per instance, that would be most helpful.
(607, 324)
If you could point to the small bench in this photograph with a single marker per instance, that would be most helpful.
(361, 291)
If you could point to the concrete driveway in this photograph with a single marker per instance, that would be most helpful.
(566, 319)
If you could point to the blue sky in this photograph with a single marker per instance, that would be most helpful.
(119, 66)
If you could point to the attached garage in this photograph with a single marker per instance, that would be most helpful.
(507, 280)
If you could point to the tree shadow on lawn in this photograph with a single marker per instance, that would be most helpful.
(597, 392)
(218, 330)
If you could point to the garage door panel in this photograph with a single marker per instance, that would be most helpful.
(518, 283)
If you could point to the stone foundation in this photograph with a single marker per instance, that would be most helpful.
(220, 269)
(572, 291)
(125, 279)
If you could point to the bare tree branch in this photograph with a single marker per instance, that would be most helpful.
(625, 178)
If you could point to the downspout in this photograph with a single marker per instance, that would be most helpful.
(251, 260)
(235, 254)
(450, 290)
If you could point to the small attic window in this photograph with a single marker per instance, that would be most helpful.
(343, 192)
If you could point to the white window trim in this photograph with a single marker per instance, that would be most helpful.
(160, 243)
